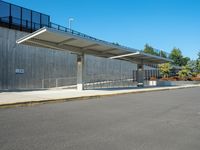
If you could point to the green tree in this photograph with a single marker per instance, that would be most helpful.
(163, 54)
(177, 57)
(198, 63)
(150, 50)
(185, 61)
(185, 72)
(165, 69)
(192, 64)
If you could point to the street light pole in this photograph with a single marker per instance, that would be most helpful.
(69, 22)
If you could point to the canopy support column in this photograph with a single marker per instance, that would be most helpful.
(140, 75)
(80, 72)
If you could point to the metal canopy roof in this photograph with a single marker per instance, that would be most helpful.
(60, 40)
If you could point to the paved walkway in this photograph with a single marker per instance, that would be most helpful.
(28, 97)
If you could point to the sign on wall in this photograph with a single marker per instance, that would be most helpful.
(19, 71)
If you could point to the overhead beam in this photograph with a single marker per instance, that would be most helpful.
(66, 41)
(90, 46)
(53, 45)
(148, 58)
(138, 60)
(125, 55)
(139, 56)
(79, 51)
(109, 50)
(31, 35)
(75, 49)
(157, 57)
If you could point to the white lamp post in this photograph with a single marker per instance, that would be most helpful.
(70, 21)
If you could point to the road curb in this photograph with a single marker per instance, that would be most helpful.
(32, 103)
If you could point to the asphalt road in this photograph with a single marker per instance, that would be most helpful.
(165, 120)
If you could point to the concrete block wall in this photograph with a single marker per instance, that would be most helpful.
(38, 63)
(102, 68)
(41, 65)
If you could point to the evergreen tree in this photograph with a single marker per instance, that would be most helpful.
(150, 50)
(177, 57)
(198, 63)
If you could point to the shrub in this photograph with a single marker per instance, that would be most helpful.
(165, 69)
(184, 73)
(194, 74)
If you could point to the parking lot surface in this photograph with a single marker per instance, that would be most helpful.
(162, 120)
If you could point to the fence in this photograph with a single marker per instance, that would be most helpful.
(59, 82)
(117, 81)
(100, 81)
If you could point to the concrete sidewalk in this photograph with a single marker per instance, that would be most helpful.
(53, 95)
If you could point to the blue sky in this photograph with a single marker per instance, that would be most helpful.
(163, 24)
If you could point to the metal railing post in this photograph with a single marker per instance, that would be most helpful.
(10, 21)
(26, 24)
(43, 83)
(56, 82)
